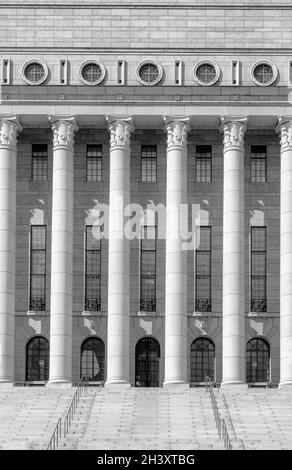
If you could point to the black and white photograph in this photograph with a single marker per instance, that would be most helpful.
(145, 231)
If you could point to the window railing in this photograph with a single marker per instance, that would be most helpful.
(220, 422)
(203, 305)
(259, 305)
(148, 305)
(93, 305)
(57, 434)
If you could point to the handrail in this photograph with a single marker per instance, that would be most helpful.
(54, 441)
(82, 385)
(220, 422)
(57, 434)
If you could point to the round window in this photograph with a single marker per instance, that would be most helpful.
(263, 73)
(206, 73)
(92, 73)
(149, 73)
(34, 72)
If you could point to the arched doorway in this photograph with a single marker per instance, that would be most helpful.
(37, 359)
(92, 363)
(257, 361)
(147, 362)
(202, 360)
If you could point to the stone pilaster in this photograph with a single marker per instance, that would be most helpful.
(176, 256)
(285, 130)
(9, 127)
(233, 252)
(118, 373)
(62, 252)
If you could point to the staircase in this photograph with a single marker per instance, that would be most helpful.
(261, 418)
(147, 419)
(28, 416)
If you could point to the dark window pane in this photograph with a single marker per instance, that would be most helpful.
(39, 162)
(149, 163)
(258, 164)
(37, 299)
(147, 363)
(203, 163)
(203, 271)
(202, 360)
(93, 359)
(37, 359)
(257, 361)
(94, 163)
(92, 270)
(258, 269)
(148, 269)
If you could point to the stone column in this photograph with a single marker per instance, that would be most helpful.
(285, 130)
(176, 256)
(233, 253)
(61, 252)
(118, 372)
(9, 126)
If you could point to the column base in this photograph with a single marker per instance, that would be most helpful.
(117, 385)
(286, 385)
(59, 384)
(234, 386)
(6, 385)
(173, 386)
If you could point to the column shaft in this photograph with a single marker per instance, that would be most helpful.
(61, 253)
(176, 256)
(233, 254)
(285, 129)
(8, 134)
(118, 346)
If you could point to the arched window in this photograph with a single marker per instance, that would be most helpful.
(147, 362)
(37, 359)
(257, 361)
(202, 360)
(93, 359)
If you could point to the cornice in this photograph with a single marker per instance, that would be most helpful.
(147, 5)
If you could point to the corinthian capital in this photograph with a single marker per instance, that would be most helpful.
(63, 131)
(120, 132)
(9, 127)
(234, 130)
(284, 128)
(177, 132)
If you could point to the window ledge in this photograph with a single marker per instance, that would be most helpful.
(36, 312)
(200, 314)
(144, 313)
(89, 313)
(257, 314)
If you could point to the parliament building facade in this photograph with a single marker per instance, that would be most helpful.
(111, 105)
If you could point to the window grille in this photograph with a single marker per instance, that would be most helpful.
(204, 163)
(203, 271)
(94, 163)
(258, 269)
(149, 163)
(37, 298)
(92, 270)
(148, 269)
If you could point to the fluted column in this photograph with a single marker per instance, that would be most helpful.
(9, 126)
(285, 130)
(118, 373)
(176, 256)
(61, 252)
(233, 253)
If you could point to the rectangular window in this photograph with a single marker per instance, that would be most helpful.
(39, 162)
(92, 269)
(258, 269)
(94, 163)
(258, 164)
(149, 163)
(204, 163)
(148, 269)
(37, 297)
(203, 271)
